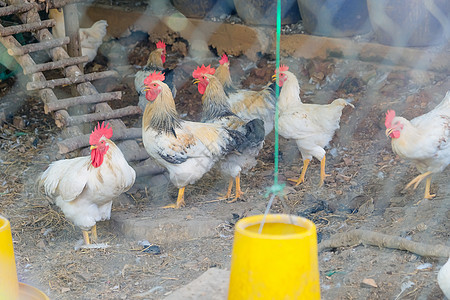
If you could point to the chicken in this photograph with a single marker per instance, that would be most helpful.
(312, 126)
(216, 109)
(425, 140)
(443, 279)
(186, 149)
(155, 62)
(90, 38)
(247, 104)
(84, 187)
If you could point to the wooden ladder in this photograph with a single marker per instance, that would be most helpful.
(123, 136)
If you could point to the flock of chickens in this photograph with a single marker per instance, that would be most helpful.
(231, 132)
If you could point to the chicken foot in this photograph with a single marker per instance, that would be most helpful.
(427, 190)
(180, 200)
(322, 171)
(239, 192)
(302, 175)
(228, 194)
(93, 232)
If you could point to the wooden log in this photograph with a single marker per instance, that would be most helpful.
(150, 169)
(16, 9)
(27, 27)
(69, 102)
(55, 64)
(31, 86)
(77, 142)
(62, 118)
(38, 46)
(72, 30)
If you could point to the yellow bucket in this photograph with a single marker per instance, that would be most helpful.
(279, 263)
(10, 288)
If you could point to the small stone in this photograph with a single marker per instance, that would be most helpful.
(368, 282)
(18, 122)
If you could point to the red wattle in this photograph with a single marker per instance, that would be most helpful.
(201, 88)
(96, 158)
(163, 58)
(395, 134)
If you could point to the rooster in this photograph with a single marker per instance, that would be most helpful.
(312, 126)
(247, 104)
(155, 62)
(425, 140)
(84, 187)
(186, 149)
(90, 38)
(216, 109)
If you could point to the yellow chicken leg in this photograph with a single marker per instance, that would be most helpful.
(427, 189)
(180, 200)
(322, 171)
(302, 175)
(94, 233)
(86, 237)
(239, 192)
(228, 194)
(417, 180)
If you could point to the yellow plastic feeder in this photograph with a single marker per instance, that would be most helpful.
(281, 262)
(10, 287)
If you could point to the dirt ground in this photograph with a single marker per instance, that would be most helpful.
(365, 189)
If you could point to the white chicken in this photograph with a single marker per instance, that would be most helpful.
(425, 140)
(312, 126)
(90, 38)
(186, 149)
(84, 187)
(443, 279)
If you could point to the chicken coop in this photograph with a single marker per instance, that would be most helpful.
(167, 122)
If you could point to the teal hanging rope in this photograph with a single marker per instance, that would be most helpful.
(276, 188)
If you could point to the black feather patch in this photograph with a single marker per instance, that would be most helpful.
(173, 159)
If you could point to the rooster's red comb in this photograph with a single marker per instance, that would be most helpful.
(203, 70)
(160, 45)
(390, 114)
(99, 131)
(283, 68)
(224, 59)
(154, 76)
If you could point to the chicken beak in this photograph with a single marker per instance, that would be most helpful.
(274, 77)
(389, 131)
(195, 81)
(93, 147)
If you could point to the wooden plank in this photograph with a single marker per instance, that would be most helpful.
(31, 86)
(82, 141)
(55, 64)
(38, 46)
(89, 99)
(62, 118)
(10, 30)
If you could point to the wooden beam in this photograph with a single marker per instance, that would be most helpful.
(16, 9)
(72, 30)
(82, 141)
(10, 30)
(38, 46)
(88, 99)
(55, 64)
(62, 117)
(31, 86)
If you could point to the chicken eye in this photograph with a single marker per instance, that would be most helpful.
(154, 84)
